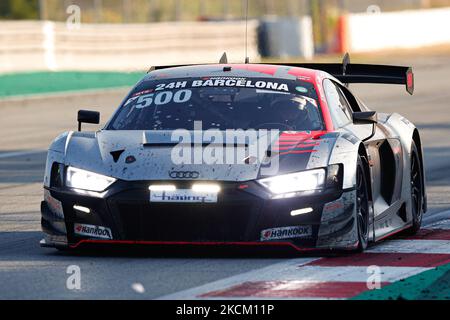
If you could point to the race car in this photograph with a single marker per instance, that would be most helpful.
(239, 155)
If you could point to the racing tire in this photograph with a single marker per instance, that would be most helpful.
(417, 196)
(362, 205)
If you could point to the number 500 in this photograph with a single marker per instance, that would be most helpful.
(162, 98)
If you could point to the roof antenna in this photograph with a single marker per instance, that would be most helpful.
(223, 59)
(247, 59)
(345, 63)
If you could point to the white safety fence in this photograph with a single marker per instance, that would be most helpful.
(393, 30)
(33, 45)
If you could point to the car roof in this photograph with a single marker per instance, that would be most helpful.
(236, 70)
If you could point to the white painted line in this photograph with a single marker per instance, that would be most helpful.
(192, 293)
(353, 274)
(413, 246)
(335, 274)
(20, 153)
(290, 271)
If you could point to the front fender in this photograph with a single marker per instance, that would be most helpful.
(56, 153)
(345, 151)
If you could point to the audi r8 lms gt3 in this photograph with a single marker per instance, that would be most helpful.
(239, 154)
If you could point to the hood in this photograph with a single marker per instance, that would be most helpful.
(148, 155)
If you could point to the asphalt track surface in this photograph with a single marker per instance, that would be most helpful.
(27, 271)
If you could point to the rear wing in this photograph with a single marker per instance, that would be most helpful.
(364, 73)
(347, 72)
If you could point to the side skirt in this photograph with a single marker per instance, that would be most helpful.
(389, 222)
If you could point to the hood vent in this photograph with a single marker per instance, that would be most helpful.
(192, 145)
(116, 154)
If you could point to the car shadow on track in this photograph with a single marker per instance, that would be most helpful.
(187, 251)
(22, 244)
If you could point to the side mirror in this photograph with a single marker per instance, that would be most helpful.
(86, 116)
(367, 117)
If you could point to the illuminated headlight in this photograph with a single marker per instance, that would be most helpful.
(162, 187)
(86, 180)
(294, 182)
(206, 187)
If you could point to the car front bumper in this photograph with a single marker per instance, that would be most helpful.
(243, 215)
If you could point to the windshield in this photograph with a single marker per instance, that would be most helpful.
(220, 103)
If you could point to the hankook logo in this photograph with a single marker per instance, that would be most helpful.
(184, 174)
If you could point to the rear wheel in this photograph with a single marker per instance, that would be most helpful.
(416, 182)
(362, 205)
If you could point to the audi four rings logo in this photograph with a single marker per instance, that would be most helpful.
(184, 174)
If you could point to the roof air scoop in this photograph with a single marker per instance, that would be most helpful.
(223, 58)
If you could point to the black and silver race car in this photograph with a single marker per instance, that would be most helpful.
(239, 154)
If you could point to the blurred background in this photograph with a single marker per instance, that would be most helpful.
(60, 45)
(134, 34)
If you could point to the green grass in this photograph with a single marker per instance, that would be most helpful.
(23, 84)
(429, 285)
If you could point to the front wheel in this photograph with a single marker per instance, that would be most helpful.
(362, 206)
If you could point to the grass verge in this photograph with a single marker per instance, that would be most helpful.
(36, 83)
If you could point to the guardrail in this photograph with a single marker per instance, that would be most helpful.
(28, 46)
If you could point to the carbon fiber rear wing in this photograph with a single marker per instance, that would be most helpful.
(364, 73)
(347, 72)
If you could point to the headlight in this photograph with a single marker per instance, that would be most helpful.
(294, 182)
(86, 180)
